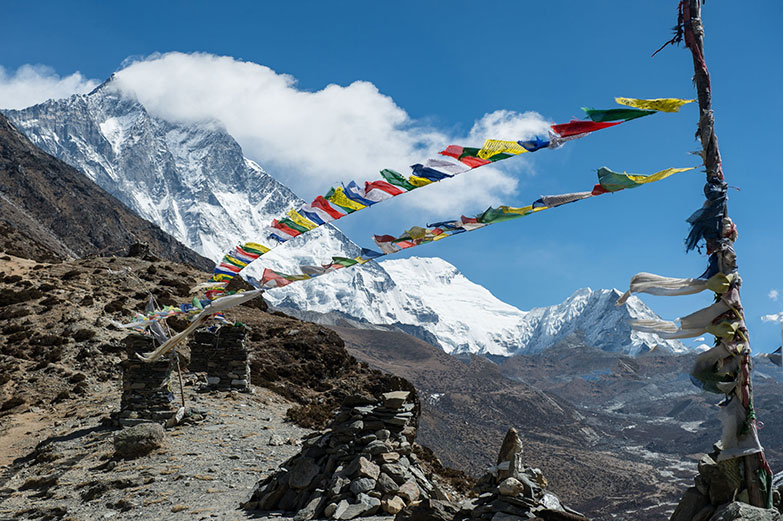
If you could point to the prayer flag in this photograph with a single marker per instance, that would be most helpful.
(344, 261)
(420, 170)
(575, 127)
(285, 221)
(662, 104)
(272, 279)
(493, 147)
(380, 191)
(534, 144)
(316, 215)
(301, 220)
(281, 225)
(449, 166)
(255, 248)
(357, 195)
(613, 181)
(418, 181)
(323, 205)
(396, 179)
(616, 114)
(337, 196)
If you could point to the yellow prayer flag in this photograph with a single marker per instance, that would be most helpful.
(294, 278)
(234, 261)
(661, 104)
(519, 211)
(418, 181)
(255, 246)
(339, 198)
(657, 176)
(300, 219)
(493, 147)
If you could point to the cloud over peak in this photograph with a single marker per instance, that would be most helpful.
(32, 84)
(313, 139)
(309, 140)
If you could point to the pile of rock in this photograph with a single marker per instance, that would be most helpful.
(361, 465)
(145, 386)
(719, 493)
(223, 355)
(514, 491)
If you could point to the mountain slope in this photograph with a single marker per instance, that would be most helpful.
(192, 180)
(429, 296)
(57, 212)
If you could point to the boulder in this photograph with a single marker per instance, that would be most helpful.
(429, 510)
(392, 504)
(138, 440)
(361, 485)
(691, 504)
(743, 512)
(387, 485)
(409, 491)
(301, 473)
(511, 487)
(394, 400)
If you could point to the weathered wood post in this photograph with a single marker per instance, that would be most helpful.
(719, 241)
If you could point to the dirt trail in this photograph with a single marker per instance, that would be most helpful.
(204, 471)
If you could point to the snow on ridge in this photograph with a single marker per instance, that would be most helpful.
(195, 183)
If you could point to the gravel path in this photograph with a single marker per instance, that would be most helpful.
(204, 471)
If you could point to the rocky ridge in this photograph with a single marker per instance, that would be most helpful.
(49, 211)
(194, 182)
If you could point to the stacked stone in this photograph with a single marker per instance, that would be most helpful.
(223, 356)
(513, 491)
(145, 386)
(361, 465)
(719, 488)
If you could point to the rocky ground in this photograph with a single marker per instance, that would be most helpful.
(207, 466)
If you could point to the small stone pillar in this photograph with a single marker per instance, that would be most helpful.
(145, 386)
(223, 356)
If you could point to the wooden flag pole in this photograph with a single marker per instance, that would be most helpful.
(693, 31)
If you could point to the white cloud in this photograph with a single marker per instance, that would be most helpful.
(773, 294)
(700, 339)
(777, 317)
(311, 140)
(32, 84)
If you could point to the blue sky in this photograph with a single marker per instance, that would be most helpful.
(446, 67)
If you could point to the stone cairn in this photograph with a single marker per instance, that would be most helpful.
(145, 386)
(513, 491)
(361, 465)
(719, 493)
(223, 355)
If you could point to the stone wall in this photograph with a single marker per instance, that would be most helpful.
(223, 355)
(145, 386)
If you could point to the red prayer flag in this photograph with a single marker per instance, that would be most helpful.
(280, 226)
(322, 204)
(382, 185)
(270, 276)
(454, 151)
(576, 126)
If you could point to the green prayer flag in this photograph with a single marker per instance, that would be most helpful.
(625, 114)
(496, 215)
(291, 224)
(396, 179)
(344, 261)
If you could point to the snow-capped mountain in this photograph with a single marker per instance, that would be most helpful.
(191, 180)
(194, 182)
(431, 294)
